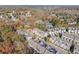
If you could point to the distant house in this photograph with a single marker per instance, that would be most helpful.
(39, 32)
(39, 22)
(73, 30)
(28, 14)
(1, 16)
(49, 26)
(63, 29)
(71, 21)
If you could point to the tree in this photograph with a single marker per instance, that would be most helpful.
(66, 29)
(54, 22)
(72, 48)
(1, 39)
(41, 27)
(77, 20)
(47, 39)
(60, 35)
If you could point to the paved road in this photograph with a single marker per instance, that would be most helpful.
(39, 48)
(60, 49)
(71, 36)
(43, 50)
(35, 45)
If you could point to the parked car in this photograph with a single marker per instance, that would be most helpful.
(43, 44)
(51, 49)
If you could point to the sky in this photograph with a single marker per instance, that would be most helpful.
(34, 6)
(39, 2)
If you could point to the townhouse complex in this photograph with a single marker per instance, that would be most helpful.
(39, 30)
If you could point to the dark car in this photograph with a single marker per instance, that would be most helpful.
(51, 49)
(43, 44)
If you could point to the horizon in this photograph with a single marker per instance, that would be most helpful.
(52, 6)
